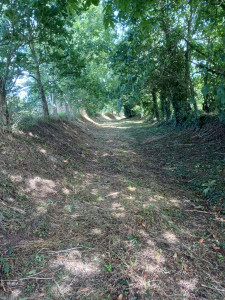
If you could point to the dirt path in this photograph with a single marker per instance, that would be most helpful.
(126, 228)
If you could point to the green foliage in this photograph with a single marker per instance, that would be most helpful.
(108, 267)
(129, 111)
(164, 59)
(4, 266)
(173, 212)
(208, 187)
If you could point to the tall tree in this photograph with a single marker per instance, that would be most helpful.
(10, 43)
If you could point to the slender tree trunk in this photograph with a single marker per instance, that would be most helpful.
(155, 104)
(67, 109)
(168, 109)
(4, 113)
(179, 104)
(39, 81)
(71, 107)
(176, 110)
(194, 101)
(205, 105)
(55, 112)
(188, 54)
(163, 104)
(189, 85)
(42, 93)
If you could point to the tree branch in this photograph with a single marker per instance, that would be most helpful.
(218, 73)
(30, 75)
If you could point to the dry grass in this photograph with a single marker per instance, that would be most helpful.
(93, 211)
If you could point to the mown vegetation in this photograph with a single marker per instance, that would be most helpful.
(94, 205)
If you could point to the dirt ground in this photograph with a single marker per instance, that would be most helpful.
(112, 209)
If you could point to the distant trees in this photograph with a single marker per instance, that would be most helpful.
(177, 56)
(163, 58)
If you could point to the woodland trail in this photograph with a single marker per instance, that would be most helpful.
(126, 227)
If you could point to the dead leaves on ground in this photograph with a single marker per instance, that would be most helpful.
(142, 224)
(201, 240)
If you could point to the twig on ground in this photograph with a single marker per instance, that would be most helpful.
(213, 288)
(199, 211)
(35, 274)
(65, 250)
(29, 278)
(58, 287)
(67, 288)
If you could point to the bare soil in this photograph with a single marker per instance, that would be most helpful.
(112, 209)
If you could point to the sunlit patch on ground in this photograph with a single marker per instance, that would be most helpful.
(119, 214)
(16, 178)
(16, 294)
(66, 191)
(113, 195)
(188, 285)
(41, 187)
(43, 151)
(75, 265)
(170, 237)
(97, 231)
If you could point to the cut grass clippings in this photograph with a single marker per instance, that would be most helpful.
(111, 210)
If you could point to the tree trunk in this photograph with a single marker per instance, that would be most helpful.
(179, 104)
(42, 93)
(176, 109)
(163, 104)
(189, 85)
(155, 104)
(168, 109)
(194, 101)
(71, 108)
(4, 113)
(39, 81)
(188, 53)
(205, 105)
(55, 112)
(67, 109)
